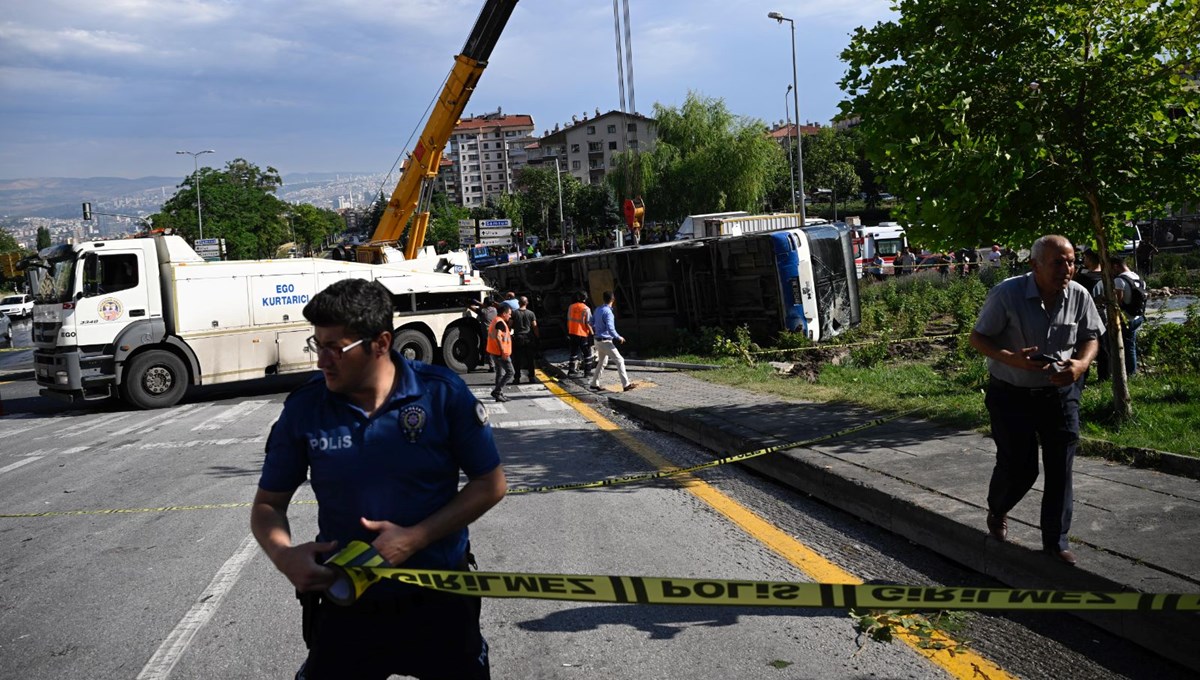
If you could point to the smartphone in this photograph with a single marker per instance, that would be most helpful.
(1048, 358)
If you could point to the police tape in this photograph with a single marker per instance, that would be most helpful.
(611, 481)
(359, 566)
(864, 343)
(662, 474)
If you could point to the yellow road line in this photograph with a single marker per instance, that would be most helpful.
(963, 663)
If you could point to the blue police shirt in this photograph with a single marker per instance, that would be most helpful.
(402, 464)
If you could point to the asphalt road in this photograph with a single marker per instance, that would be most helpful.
(186, 593)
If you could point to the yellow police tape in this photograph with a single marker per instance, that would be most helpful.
(359, 566)
(611, 481)
(630, 479)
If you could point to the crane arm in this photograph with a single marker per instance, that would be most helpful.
(410, 199)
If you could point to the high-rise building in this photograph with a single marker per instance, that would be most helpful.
(588, 148)
(486, 152)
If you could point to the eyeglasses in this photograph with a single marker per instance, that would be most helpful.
(336, 352)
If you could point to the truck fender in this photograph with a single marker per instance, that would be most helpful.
(146, 333)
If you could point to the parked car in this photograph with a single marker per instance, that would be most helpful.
(6, 330)
(17, 306)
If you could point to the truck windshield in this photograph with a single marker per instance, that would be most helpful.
(57, 286)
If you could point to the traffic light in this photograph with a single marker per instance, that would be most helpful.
(87, 211)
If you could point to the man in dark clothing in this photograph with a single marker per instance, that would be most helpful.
(486, 313)
(383, 441)
(1039, 333)
(525, 337)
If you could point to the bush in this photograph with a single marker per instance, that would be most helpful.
(1173, 347)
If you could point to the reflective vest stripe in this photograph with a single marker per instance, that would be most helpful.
(499, 341)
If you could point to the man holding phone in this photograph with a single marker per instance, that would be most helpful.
(1040, 332)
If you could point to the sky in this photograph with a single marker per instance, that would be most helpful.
(114, 88)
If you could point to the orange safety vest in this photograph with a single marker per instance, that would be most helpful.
(577, 320)
(499, 341)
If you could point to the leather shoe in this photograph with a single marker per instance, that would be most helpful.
(997, 526)
(1065, 556)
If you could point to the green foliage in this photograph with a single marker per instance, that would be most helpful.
(239, 205)
(932, 632)
(8, 243)
(43, 238)
(706, 159)
(538, 190)
(1002, 122)
(829, 163)
(312, 225)
(443, 221)
(1172, 348)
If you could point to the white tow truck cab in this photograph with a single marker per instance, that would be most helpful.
(144, 318)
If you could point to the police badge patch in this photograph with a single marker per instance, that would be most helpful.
(481, 413)
(412, 419)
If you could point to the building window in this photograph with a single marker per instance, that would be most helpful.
(633, 143)
(591, 129)
(612, 146)
(593, 146)
(612, 129)
(574, 148)
(574, 165)
(632, 127)
(489, 178)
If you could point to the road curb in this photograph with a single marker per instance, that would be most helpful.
(944, 525)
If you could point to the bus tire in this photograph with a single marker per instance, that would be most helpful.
(413, 345)
(154, 379)
(460, 350)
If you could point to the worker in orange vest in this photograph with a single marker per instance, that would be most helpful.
(499, 345)
(579, 335)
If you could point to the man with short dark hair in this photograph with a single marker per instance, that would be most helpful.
(1131, 300)
(525, 336)
(579, 333)
(607, 338)
(499, 347)
(1039, 332)
(383, 441)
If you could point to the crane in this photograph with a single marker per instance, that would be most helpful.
(410, 200)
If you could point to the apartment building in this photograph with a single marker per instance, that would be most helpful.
(587, 147)
(485, 152)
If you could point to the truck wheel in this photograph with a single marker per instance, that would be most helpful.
(156, 379)
(413, 345)
(460, 349)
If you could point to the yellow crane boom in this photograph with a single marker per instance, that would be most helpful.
(410, 200)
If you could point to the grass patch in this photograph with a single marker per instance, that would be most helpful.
(944, 379)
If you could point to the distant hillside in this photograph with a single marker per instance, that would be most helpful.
(59, 197)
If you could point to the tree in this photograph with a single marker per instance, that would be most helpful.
(705, 159)
(829, 163)
(443, 220)
(1001, 122)
(596, 209)
(538, 187)
(312, 225)
(8, 243)
(239, 205)
(43, 238)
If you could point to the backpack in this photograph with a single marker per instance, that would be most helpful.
(1135, 296)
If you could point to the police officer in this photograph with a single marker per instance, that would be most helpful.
(579, 333)
(383, 441)
(1040, 333)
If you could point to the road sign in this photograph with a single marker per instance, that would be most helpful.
(495, 233)
(208, 242)
(466, 240)
(495, 223)
(466, 223)
(496, 241)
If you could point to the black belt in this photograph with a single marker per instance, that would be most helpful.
(998, 384)
(603, 339)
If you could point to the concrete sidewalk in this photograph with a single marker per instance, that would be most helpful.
(1133, 529)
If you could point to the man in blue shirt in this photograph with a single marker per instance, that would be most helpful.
(604, 323)
(383, 441)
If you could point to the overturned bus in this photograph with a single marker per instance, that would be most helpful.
(798, 280)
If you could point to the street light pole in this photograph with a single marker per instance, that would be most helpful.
(787, 118)
(795, 106)
(562, 223)
(196, 179)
